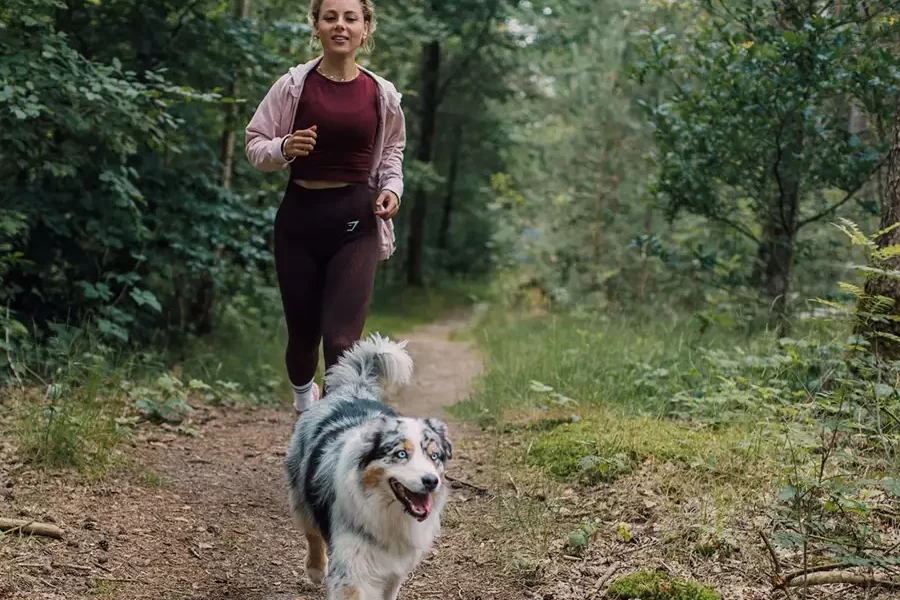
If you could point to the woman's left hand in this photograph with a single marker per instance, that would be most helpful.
(387, 205)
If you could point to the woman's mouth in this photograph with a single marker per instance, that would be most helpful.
(417, 505)
(340, 39)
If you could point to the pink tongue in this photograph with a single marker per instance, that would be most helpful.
(422, 503)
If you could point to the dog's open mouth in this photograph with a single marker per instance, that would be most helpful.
(417, 505)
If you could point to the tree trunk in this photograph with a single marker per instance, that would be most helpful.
(779, 231)
(228, 137)
(205, 296)
(431, 64)
(444, 232)
(776, 258)
(886, 286)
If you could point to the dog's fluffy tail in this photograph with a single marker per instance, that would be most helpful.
(369, 362)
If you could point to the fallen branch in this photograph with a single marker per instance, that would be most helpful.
(30, 528)
(819, 569)
(466, 484)
(775, 563)
(607, 575)
(840, 577)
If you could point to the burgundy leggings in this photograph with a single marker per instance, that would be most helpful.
(326, 251)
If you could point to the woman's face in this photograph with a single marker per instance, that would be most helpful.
(341, 27)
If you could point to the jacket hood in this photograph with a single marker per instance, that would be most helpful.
(299, 73)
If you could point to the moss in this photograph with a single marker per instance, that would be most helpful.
(604, 447)
(656, 585)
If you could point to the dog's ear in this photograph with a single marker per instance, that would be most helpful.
(443, 433)
(373, 436)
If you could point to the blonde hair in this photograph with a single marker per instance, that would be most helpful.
(368, 10)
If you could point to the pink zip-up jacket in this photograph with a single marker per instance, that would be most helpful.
(274, 119)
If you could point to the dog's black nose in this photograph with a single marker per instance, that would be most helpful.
(430, 482)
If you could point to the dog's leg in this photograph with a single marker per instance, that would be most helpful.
(316, 557)
(392, 589)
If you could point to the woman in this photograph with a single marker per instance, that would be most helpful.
(340, 131)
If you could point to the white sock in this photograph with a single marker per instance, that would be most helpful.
(303, 396)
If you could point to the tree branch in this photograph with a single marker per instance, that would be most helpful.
(838, 577)
(736, 226)
(850, 194)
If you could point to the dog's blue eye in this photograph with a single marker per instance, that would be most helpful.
(402, 454)
(435, 456)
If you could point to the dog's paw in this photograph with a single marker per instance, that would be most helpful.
(317, 576)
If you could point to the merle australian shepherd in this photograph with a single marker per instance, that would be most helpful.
(365, 485)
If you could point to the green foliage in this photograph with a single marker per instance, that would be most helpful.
(657, 585)
(166, 400)
(756, 129)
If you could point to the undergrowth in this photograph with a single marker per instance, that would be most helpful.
(793, 440)
(73, 397)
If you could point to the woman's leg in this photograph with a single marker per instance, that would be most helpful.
(350, 280)
(300, 281)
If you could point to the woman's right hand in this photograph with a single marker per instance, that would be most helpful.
(300, 143)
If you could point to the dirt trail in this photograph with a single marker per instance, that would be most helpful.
(205, 516)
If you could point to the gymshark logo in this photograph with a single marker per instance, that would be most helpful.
(352, 225)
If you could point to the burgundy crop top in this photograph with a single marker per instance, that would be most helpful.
(346, 119)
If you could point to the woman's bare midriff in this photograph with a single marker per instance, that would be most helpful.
(320, 185)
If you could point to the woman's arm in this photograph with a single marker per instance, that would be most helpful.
(390, 172)
(263, 140)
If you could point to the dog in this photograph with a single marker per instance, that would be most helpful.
(365, 486)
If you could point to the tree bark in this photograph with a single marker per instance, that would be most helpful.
(228, 137)
(880, 285)
(204, 299)
(444, 232)
(776, 256)
(779, 230)
(431, 64)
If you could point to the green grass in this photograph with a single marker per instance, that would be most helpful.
(153, 479)
(656, 585)
(75, 425)
(595, 361)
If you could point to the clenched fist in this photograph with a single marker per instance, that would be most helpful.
(300, 143)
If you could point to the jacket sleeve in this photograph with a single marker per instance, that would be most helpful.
(262, 137)
(390, 173)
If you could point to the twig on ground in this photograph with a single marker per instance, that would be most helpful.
(838, 577)
(121, 580)
(466, 484)
(30, 528)
(515, 487)
(819, 569)
(607, 575)
(775, 563)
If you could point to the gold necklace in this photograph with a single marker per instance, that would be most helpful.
(332, 78)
